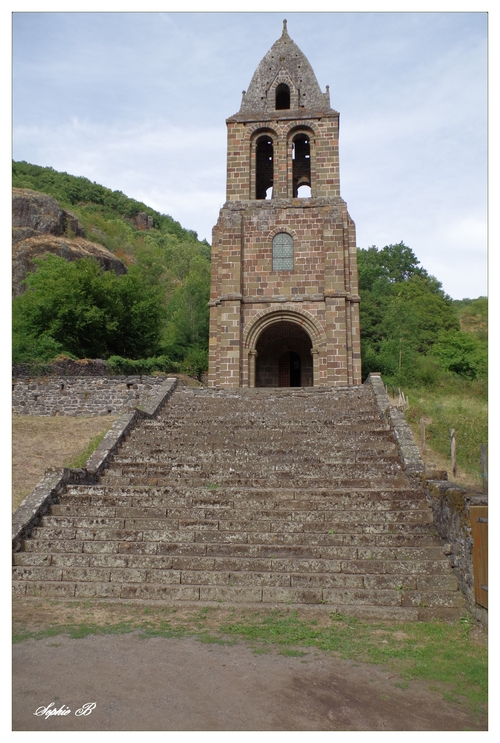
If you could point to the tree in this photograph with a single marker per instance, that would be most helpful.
(403, 314)
(86, 311)
(463, 354)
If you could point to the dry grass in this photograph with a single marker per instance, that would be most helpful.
(38, 443)
(41, 442)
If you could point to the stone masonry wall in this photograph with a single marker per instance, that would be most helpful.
(84, 396)
(450, 502)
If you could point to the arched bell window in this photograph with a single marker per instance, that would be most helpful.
(264, 168)
(301, 168)
(282, 252)
(282, 97)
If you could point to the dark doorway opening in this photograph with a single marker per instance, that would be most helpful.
(289, 369)
(284, 370)
(264, 170)
(284, 356)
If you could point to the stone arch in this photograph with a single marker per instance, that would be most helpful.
(281, 80)
(301, 149)
(284, 330)
(305, 126)
(262, 143)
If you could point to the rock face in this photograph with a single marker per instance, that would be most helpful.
(38, 213)
(41, 226)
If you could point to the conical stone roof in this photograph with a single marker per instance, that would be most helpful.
(284, 63)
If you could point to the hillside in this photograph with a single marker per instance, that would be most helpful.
(166, 287)
(411, 331)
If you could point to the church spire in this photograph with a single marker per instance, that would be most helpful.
(284, 64)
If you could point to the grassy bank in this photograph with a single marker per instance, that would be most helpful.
(463, 409)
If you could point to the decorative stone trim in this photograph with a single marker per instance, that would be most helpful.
(273, 314)
(54, 482)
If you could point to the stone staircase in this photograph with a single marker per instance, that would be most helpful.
(256, 496)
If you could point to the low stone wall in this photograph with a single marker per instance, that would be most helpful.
(450, 503)
(451, 509)
(82, 395)
(54, 482)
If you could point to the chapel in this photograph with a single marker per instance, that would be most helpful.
(284, 302)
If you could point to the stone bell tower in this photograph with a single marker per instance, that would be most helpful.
(284, 304)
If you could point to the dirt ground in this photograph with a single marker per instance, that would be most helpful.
(185, 685)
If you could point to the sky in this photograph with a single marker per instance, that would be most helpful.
(138, 101)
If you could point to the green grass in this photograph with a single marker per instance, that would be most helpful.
(442, 654)
(466, 412)
(80, 459)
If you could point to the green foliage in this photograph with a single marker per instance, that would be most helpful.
(187, 311)
(163, 364)
(410, 329)
(473, 315)
(164, 296)
(463, 354)
(195, 362)
(77, 308)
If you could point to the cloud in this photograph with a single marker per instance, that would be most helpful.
(137, 102)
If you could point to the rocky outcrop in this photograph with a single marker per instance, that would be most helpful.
(143, 221)
(41, 226)
(35, 213)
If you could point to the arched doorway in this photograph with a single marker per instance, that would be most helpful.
(284, 356)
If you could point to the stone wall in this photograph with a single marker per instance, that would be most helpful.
(83, 395)
(450, 502)
(451, 509)
(54, 483)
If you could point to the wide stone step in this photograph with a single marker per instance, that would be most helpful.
(212, 531)
(216, 494)
(305, 543)
(201, 562)
(238, 520)
(368, 586)
(291, 510)
(282, 478)
(253, 594)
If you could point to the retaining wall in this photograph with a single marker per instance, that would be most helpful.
(82, 395)
(450, 502)
(54, 482)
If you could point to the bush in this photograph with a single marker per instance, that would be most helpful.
(78, 308)
(195, 363)
(119, 365)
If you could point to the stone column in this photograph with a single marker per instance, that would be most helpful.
(315, 355)
(252, 356)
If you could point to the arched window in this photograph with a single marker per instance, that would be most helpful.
(264, 168)
(301, 157)
(282, 96)
(282, 252)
